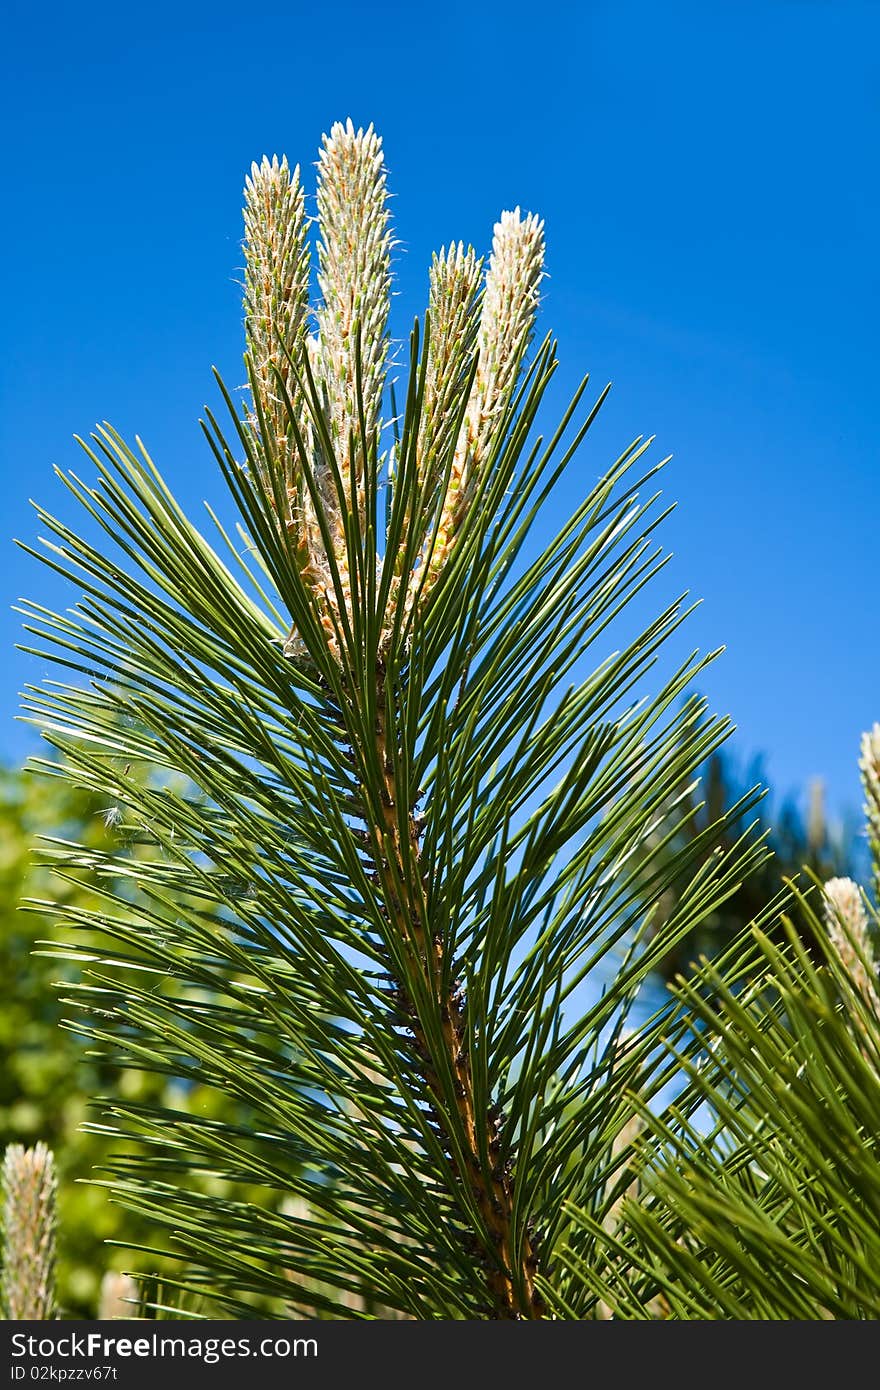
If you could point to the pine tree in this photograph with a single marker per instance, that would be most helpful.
(414, 797)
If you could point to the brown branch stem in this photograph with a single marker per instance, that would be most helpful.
(491, 1192)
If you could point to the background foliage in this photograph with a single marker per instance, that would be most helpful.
(50, 1079)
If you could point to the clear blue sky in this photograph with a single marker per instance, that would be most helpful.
(708, 176)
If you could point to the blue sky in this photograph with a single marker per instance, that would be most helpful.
(707, 174)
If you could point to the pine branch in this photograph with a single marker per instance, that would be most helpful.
(381, 802)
